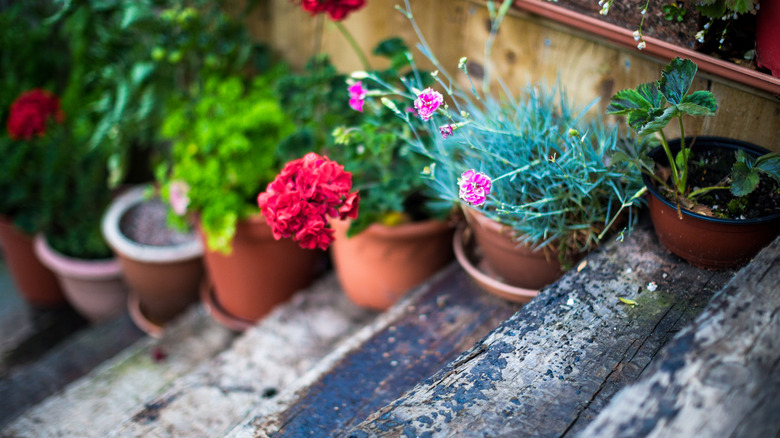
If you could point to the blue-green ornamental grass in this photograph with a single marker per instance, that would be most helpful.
(548, 161)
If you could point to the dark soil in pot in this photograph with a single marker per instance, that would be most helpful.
(709, 168)
(146, 223)
(739, 39)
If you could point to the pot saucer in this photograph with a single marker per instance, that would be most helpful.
(147, 325)
(217, 313)
(471, 261)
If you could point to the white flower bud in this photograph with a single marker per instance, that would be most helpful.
(359, 75)
(637, 35)
(641, 45)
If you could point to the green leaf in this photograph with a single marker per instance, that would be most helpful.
(676, 79)
(625, 101)
(741, 6)
(745, 179)
(653, 121)
(681, 160)
(630, 302)
(769, 164)
(650, 92)
(699, 103)
(141, 71)
(715, 9)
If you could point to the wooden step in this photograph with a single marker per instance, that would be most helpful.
(551, 367)
(718, 377)
(94, 404)
(261, 363)
(41, 351)
(413, 340)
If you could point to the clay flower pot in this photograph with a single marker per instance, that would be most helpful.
(36, 283)
(377, 266)
(259, 273)
(704, 241)
(93, 287)
(510, 262)
(165, 270)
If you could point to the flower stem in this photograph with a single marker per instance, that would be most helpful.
(355, 46)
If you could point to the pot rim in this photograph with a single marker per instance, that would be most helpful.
(73, 267)
(718, 142)
(405, 230)
(134, 250)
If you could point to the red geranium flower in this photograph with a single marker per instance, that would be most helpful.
(337, 9)
(299, 201)
(31, 111)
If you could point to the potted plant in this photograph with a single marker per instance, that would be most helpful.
(529, 172)
(162, 266)
(33, 130)
(74, 197)
(713, 201)
(224, 146)
(401, 236)
(32, 58)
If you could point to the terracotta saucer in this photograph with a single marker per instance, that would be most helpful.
(150, 327)
(472, 263)
(217, 313)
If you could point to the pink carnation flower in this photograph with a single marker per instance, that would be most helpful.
(357, 96)
(446, 131)
(428, 102)
(474, 187)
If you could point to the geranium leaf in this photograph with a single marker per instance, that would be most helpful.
(711, 9)
(699, 103)
(745, 179)
(740, 6)
(625, 101)
(676, 79)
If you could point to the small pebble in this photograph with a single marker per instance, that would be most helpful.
(393, 363)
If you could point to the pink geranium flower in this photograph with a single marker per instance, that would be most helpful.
(428, 102)
(30, 113)
(474, 187)
(337, 9)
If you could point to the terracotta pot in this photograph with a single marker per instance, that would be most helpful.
(377, 266)
(705, 241)
(93, 287)
(36, 283)
(165, 279)
(260, 272)
(513, 263)
(768, 36)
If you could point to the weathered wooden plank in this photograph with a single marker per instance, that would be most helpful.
(549, 369)
(29, 383)
(444, 318)
(264, 361)
(720, 376)
(94, 404)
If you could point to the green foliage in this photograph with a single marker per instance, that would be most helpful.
(552, 180)
(317, 102)
(31, 53)
(651, 106)
(673, 12)
(127, 57)
(377, 150)
(720, 8)
(224, 145)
